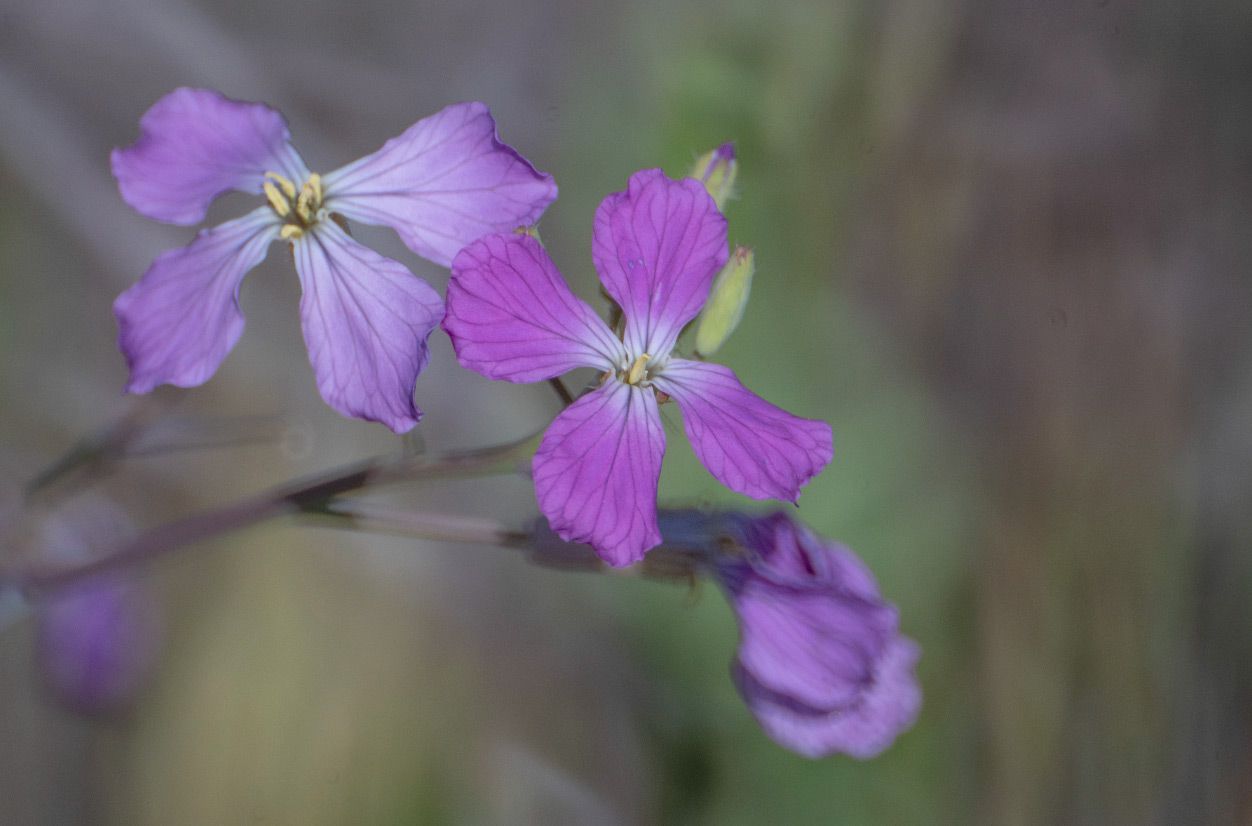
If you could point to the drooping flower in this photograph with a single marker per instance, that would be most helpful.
(657, 247)
(442, 183)
(821, 662)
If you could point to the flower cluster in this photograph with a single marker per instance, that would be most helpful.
(821, 662)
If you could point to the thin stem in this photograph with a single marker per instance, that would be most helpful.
(561, 390)
(311, 496)
(439, 527)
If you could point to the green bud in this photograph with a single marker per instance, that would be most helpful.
(716, 169)
(727, 299)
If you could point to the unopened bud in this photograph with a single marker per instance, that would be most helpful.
(717, 169)
(727, 298)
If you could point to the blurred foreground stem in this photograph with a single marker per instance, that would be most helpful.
(312, 496)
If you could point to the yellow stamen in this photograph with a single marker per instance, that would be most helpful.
(290, 232)
(289, 189)
(636, 369)
(310, 200)
(280, 204)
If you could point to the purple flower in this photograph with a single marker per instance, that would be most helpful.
(657, 247)
(95, 643)
(821, 662)
(442, 183)
(98, 639)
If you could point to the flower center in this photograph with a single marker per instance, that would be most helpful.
(638, 371)
(299, 210)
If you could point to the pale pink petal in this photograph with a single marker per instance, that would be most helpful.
(366, 320)
(748, 444)
(195, 144)
(177, 323)
(597, 468)
(657, 247)
(446, 181)
(511, 315)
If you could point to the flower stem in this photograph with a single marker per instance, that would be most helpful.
(310, 496)
(561, 390)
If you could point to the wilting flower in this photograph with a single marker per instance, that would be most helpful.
(442, 183)
(821, 661)
(657, 247)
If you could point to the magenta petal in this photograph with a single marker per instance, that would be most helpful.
(511, 316)
(446, 181)
(657, 247)
(889, 706)
(195, 144)
(597, 468)
(366, 319)
(177, 323)
(748, 444)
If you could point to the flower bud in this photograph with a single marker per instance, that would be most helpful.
(94, 643)
(97, 639)
(727, 298)
(717, 169)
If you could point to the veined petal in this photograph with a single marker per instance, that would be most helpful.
(657, 247)
(444, 182)
(366, 320)
(195, 144)
(888, 706)
(748, 444)
(177, 323)
(511, 315)
(597, 468)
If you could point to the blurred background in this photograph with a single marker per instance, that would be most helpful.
(1001, 246)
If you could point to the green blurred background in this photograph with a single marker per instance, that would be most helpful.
(1001, 246)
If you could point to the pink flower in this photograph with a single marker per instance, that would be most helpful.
(442, 183)
(657, 247)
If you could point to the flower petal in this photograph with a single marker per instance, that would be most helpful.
(657, 247)
(888, 707)
(511, 315)
(597, 468)
(366, 319)
(444, 182)
(177, 323)
(748, 444)
(195, 144)
(816, 645)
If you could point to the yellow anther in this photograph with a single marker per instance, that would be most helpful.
(290, 232)
(310, 200)
(289, 189)
(636, 369)
(280, 204)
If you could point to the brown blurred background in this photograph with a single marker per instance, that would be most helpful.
(1002, 247)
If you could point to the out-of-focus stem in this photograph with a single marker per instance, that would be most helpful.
(439, 527)
(310, 496)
